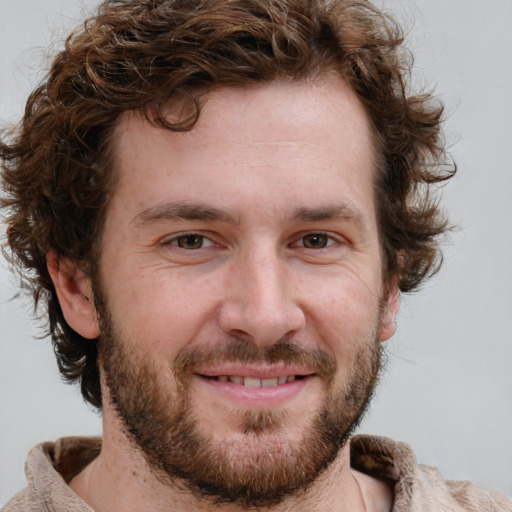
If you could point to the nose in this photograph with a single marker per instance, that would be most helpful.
(261, 303)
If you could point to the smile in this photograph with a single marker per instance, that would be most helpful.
(250, 387)
(252, 382)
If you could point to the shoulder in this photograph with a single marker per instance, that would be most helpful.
(419, 488)
(22, 502)
(48, 468)
(467, 496)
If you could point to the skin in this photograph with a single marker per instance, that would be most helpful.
(287, 168)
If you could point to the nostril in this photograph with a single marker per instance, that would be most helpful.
(260, 321)
(239, 334)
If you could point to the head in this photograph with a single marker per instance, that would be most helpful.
(159, 56)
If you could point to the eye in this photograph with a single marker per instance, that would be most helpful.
(316, 241)
(190, 242)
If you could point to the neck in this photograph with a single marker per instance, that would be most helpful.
(119, 479)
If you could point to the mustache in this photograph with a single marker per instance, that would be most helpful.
(244, 351)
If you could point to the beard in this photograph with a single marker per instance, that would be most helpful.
(259, 466)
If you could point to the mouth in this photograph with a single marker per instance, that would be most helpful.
(254, 382)
(255, 387)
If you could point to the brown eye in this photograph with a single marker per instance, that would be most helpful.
(190, 242)
(316, 241)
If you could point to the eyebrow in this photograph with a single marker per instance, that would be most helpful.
(343, 210)
(184, 211)
(188, 211)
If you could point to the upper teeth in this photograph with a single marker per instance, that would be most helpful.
(252, 382)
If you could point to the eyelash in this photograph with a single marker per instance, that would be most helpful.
(329, 240)
(175, 241)
(203, 239)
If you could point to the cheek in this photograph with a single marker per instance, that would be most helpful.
(156, 307)
(345, 314)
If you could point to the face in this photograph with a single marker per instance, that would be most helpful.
(241, 295)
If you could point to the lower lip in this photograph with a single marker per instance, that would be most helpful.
(257, 397)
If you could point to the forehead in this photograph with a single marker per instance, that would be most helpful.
(284, 144)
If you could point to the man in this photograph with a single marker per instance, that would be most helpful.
(219, 203)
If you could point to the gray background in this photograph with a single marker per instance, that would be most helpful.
(448, 391)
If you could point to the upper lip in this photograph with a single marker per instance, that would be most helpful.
(254, 371)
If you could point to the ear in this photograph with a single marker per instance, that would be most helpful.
(74, 292)
(390, 310)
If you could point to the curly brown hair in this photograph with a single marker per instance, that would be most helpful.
(139, 55)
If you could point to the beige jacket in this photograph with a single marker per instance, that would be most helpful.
(417, 488)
